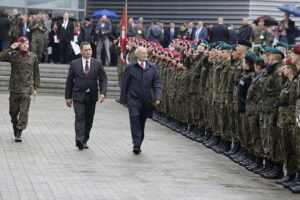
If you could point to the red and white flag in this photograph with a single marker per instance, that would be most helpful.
(123, 39)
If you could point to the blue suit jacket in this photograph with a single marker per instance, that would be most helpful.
(138, 86)
(202, 35)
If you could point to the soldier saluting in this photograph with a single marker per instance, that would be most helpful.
(24, 81)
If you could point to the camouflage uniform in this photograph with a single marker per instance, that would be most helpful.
(24, 80)
(37, 29)
(286, 124)
(271, 87)
(16, 26)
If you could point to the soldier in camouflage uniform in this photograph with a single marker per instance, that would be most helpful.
(252, 112)
(271, 87)
(37, 29)
(286, 121)
(294, 185)
(16, 26)
(24, 81)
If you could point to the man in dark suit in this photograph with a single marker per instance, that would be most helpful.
(65, 36)
(85, 75)
(191, 30)
(170, 34)
(141, 77)
(287, 30)
(219, 32)
(201, 32)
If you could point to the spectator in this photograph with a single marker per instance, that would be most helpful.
(190, 31)
(171, 33)
(4, 29)
(154, 32)
(219, 32)
(38, 28)
(25, 30)
(65, 35)
(16, 23)
(77, 33)
(260, 33)
(131, 26)
(139, 31)
(287, 30)
(162, 38)
(54, 43)
(232, 35)
(47, 24)
(245, 30)
(103, 29)
(201, 32)
(87, 30)
(182, 34)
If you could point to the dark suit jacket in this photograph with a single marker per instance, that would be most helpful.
(290, 32)
(66, 35)
(77, 84)
(4, 27)
(219, 33)
(232, 37)
(138, 85)
(190, 36)
(168, 38)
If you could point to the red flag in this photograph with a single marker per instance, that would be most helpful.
(123, 35)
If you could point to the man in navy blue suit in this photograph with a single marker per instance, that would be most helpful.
(201, 32)
(219, 31)
(141, 78)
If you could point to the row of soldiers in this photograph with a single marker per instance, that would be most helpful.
(238, 103)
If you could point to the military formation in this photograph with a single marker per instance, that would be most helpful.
(241, 104)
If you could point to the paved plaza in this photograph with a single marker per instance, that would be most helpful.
(47, 165)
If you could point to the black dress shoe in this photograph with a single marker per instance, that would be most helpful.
(79, 144)
(117, 100)
(136, 151)
(85, 146)
(18, 137)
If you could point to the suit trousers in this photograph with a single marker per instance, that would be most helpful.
(105, 43)
(138, 119)
(84, 116)
(65, 52)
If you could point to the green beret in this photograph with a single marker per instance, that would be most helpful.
(226, 47)
(194, 46)
(267, 50)
(276, 51)
(290, 47)
(258, 59)
(204, 42)
(250, 54)
(281, 44)
(233, 47)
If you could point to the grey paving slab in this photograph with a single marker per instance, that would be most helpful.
(48, 166)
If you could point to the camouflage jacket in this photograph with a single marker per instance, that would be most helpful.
(272, 85)
(25, 76)
(37, 29)
(254, 95)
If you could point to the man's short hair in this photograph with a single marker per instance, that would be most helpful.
(154, 22)
(88, 19)
(84, 44)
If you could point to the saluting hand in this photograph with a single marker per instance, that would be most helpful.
(15, 45)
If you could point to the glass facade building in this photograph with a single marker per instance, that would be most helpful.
(55, 8)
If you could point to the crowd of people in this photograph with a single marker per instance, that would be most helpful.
(237, 102)
(50, 38)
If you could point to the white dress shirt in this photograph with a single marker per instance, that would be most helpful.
(198, 33)
(144, 64)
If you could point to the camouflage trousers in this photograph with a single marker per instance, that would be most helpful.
(270, 136)
(19, 108)
(204, 108)
(254, 140)
(237, 127)
(195, 109)
(288, 143)
(37, 46)
(215, 118)
(223, 120)
(121, 70)
(296, 134)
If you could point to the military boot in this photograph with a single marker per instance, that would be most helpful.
(275, 173)
(293, 182)
(287, 178)
(256, 165)
(15, 130)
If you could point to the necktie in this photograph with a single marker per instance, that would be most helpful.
(142, 65)
(86, 69)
